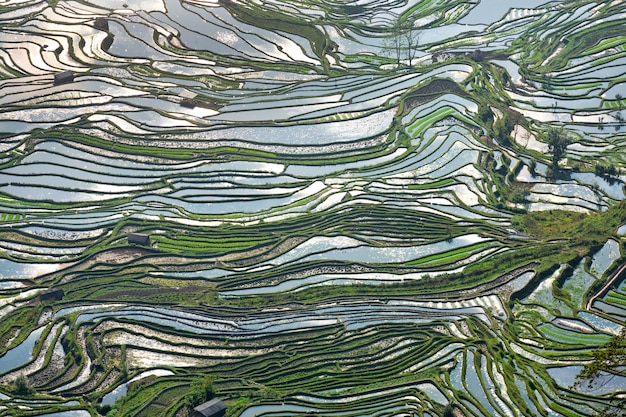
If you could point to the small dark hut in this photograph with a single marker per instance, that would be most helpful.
(52, 294)
(102, 24)
(211, 408)
(63, 77)
(188, 99)
(139, 239)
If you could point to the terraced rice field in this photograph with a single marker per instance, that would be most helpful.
(338, 224)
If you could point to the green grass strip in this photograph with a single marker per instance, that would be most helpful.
(565, 411)
(450, 256)
(432, 185)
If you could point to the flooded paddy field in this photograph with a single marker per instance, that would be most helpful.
(320, 207)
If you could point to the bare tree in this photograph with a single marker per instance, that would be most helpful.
(405, 39)
(609, 361)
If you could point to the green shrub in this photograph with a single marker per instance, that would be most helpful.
(21, 385)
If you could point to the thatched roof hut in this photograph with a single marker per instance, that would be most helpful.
(211, 408)
(63, 77)
(139, 239)
(188, 99)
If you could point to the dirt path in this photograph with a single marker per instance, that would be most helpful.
(614, 276)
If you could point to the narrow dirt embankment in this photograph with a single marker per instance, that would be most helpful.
(617, 274)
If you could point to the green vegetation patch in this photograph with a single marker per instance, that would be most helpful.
(571, 337)
(577, 228)
(432, 185)
(451, 256)
(9, 217)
